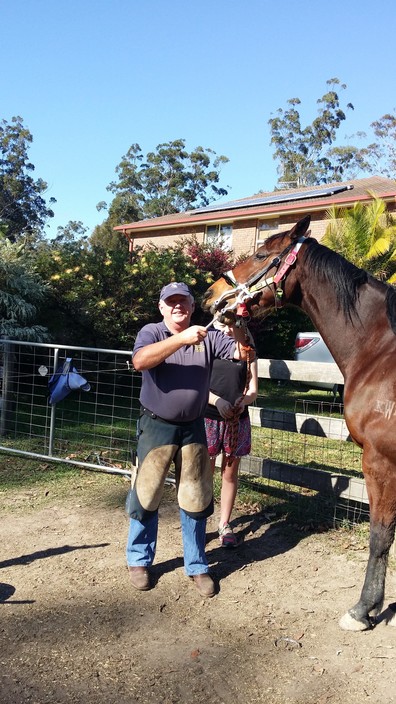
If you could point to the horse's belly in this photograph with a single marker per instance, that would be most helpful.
(371, 417)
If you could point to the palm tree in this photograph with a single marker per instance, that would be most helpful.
(365, 235)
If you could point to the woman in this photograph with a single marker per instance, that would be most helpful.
(233, 386)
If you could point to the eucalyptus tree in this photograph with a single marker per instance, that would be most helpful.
(381, 154)
(168, 180)
(23, 209)
(306, 154)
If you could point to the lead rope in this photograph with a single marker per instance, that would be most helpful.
(233, 423)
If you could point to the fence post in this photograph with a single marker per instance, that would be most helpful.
(53, 410)
(6, 387)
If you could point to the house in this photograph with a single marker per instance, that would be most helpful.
(245, 223)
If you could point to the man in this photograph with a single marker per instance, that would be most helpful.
(176, 361)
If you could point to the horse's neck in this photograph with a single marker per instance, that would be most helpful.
(344, 335)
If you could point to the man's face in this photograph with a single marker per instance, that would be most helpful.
(177, 309)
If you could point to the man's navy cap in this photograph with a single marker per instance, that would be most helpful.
(175, 289)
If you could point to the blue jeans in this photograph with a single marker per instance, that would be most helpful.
(142, 543)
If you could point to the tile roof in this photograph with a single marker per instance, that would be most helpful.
(360, 189)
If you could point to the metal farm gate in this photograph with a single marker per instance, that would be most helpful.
(93, 429)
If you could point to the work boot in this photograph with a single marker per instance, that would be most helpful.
(205, 584)
(140, 578)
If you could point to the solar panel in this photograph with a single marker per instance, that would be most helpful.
(273, 200)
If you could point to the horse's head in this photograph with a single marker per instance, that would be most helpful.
(257, 282)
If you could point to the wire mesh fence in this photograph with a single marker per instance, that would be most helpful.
(307, 454)
(95, 428)
(303, 456)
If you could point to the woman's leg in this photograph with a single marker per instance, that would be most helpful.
(230, 466)
(229, 488)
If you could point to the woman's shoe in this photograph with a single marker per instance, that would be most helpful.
(227, 538)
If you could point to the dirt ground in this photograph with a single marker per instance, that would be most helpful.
(73, 630)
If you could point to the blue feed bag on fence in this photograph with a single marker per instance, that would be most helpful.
(65, 380)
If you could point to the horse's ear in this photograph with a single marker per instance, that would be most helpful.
(300, 228)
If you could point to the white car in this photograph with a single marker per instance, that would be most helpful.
(310, 347)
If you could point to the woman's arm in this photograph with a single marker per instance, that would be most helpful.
(252, 390)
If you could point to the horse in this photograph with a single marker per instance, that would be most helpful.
(356, 316)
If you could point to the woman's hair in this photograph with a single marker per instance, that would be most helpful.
(227, 318)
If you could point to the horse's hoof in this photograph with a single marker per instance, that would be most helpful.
(391, 615)
(348, 623)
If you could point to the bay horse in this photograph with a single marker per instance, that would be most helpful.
(356, 316)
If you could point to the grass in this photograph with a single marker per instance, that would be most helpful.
(312, 451)
(338, 457)
(291, 396)
(304, 510)
(30, 484)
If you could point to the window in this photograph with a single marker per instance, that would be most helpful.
(266, 229)
(220, 235)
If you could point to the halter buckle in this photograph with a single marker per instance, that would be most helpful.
(291, 258)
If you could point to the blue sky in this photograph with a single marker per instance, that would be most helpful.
(91, 77)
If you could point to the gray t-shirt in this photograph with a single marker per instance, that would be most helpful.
(178, 388)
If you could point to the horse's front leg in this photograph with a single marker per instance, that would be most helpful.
(382, 529)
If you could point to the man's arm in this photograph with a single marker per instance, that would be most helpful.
(150, 356)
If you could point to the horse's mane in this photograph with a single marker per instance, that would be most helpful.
(346, 279)
(391, 307)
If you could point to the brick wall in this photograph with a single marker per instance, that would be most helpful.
(245, 233)
(168, 237)
(244, 236)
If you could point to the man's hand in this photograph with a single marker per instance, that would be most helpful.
(192, 335)
(152, 355)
